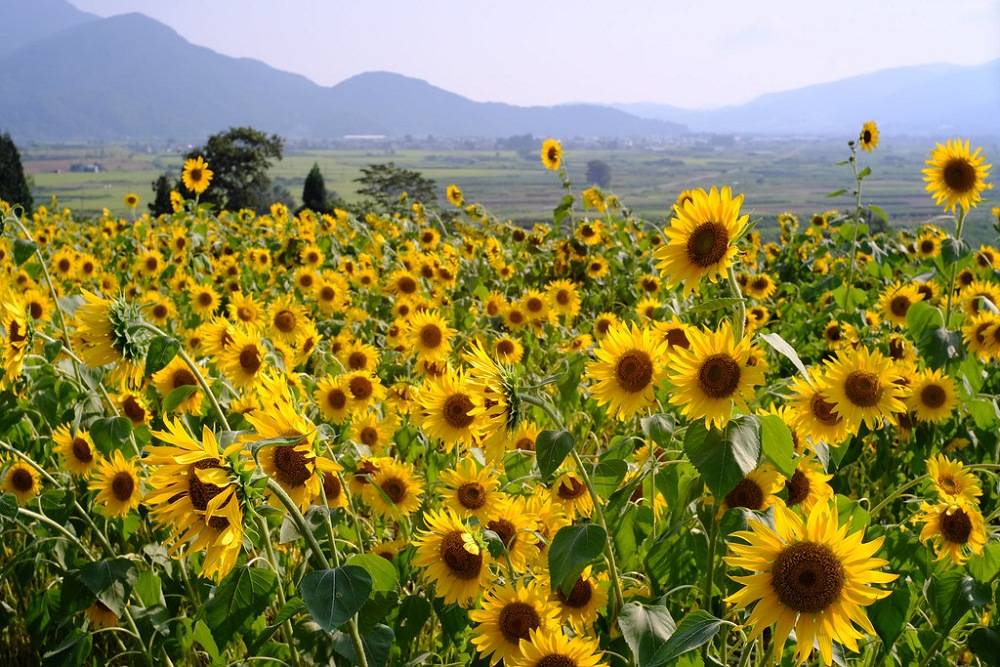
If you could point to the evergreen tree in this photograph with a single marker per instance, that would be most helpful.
(599, 173)
(385, 183)
(314, 195)
(13, 185)
(161, 200)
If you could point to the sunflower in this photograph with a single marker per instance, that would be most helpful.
(808, 486)
(869, 136)
(954, 484)
(131, 199)
(508, 350)
(196, 175)
(106, 335)
(515, 317)
(955, 529)
(133, 405)
(551, 648)
(454, 195)
(286, 320)
(862, 386)
(470, 490)
(101, 616)
(375, 433)
(626, 369)
(589, 232)
(175, 375)
(932, 396)
(756, 491)
(395, 492)
(701, 238)
(896, 300)
(760, 286)
(429, 336)
(980, 296)
(928, 245)
(570, 491)
(452, 558)
(714, 374)
(955, 176)
(507, 615)
(77, 450)
(242, 361)
(551, 154)
(515, 526)
(22, 481)
(564, 298)
(979, 334)
(244, 309)
(117, 485)
(810, 576)
(587, 598)
(535, 305)
(446, 410)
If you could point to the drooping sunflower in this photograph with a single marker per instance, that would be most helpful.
(810, 576)
(452, 558)
(701, 238)
(714, 374)
(106, 336)
(395, 490)
(446, 410)
(470, 490)
(22, 481)
(955, 529)
(117, 485)
(980, 296)
(551, 154)
(808, 486)
(507, 615)
(587, 599)
(627, 368)
(933, 396)
(196, 175)
(551, 648)
(76, 449)
(953, 482)
(869, 136)
(956, 176)
(862, 386)
(896, 300)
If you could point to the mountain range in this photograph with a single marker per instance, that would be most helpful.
(70, 75)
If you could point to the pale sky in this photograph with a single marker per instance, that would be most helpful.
(694, 53)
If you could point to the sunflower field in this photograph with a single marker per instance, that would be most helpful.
(426, 435)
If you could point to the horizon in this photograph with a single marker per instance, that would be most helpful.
(516, 80)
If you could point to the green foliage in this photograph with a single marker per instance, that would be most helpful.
(161, 196)
(598, 173)
(384, 184)
(239, 159)
(13, 185)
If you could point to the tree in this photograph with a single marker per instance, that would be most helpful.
(161, 199)
(239, 159)
(384, 183)
(599, 173)
(13, 185)
(314, 195)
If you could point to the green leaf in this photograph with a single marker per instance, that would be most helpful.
(110, 433)
(413, 614)
(562, 210)
(724, 303)
(203, 636)
(836, 193)
(375, 643)
(382, 572)
(983, 412)
(864, 172)
(291, 607)
(782, 347)
(149, 588)
(162, 350)
(985, 645)
(240, 598)
(776, 444)
(724, 458)
(111, 580)
(922, 318)
(551, 449)
(178, 396)
(849, 298)
(889, 615)
(879, 213)
(645, 629)
(607, 475)
(572, 549)
(984, 567)
(334, 596)
(695, 629)
(952, 595)
(52, 349)
(658, 428)
(23, 250)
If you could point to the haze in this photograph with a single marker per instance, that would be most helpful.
(696, 55)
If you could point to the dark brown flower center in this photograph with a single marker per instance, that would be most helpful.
(956, 526)
(122, 486)
(719, 376)
(948, 483)
(250, 359)
(634, 371)
(285, 321)
(862, 389)
(571, 488)
(195, 176)
(578, 597)
(535, 304)
(526, 444)
(357, 361)
(866, 136)
(199, 492)
(159, 311)
(361, 388)
(556, 660)
(22, 480)
(461, 563)
(505, 348)
(506, 530)
(516, 620)
(290, 466)
(747, 494)
(471, 495)
(456, 411)
(431, 336)
(797, 487)
(807, 577)
(183, 377)
(959, 175)
(707, 244)
(369, 436)
(331, 486)
(899, 305)
(394, 488)
(562, 297)
(933, 396)
(133, 410)
(81, 450)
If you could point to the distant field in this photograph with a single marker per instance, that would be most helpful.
(775, 175)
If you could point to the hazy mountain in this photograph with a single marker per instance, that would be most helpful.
(24, 21)
(924, 99)
(129, 76)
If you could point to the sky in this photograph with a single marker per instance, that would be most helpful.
(695, 54)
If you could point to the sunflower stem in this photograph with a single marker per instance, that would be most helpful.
(895, 494)
(959, 224)
(609, 552)
(741, 306)
(286, 627)
(857, 222)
